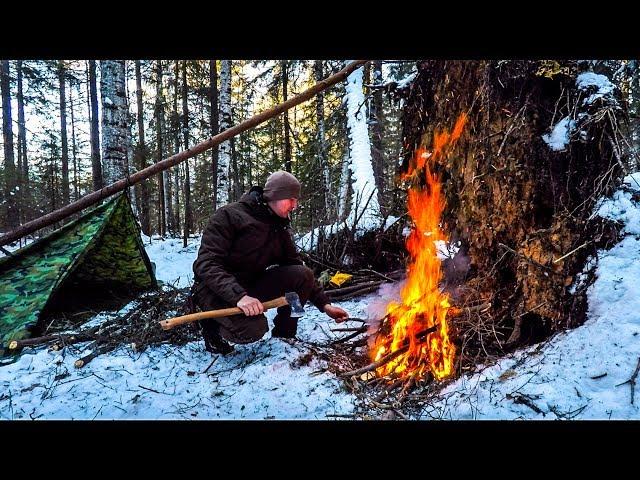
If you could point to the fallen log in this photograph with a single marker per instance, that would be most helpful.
(355, 293)
(353, 288)
(67, 338)
(97, 350)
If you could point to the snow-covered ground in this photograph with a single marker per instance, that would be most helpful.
(269, 379)
(173, 261)
(576, 374)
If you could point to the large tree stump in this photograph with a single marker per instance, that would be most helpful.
(520, 209)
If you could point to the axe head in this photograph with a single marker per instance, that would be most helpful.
(297, 310)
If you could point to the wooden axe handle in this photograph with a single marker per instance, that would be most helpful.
(222, 312)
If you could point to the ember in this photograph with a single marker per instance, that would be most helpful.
(423, 306)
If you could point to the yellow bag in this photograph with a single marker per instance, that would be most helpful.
(339, 278)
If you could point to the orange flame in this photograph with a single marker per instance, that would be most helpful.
(423, 305)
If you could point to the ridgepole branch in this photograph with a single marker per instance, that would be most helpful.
(169, 162)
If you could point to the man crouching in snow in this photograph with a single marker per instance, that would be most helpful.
(246, 257)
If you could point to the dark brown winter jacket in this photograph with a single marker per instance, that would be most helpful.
(240, 241)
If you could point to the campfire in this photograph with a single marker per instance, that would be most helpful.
(418, 343)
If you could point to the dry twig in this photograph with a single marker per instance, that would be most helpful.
(632, 381)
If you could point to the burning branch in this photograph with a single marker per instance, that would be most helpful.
(390, 356)
(420, 337)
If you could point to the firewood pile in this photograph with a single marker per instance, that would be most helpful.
(137, 328)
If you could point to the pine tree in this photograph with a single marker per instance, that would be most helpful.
(62, 81)
(10, 177)
(23, 161)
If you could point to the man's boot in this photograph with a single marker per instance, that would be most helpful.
(284, 326)
(213, 341)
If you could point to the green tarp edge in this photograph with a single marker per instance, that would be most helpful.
(30, 277)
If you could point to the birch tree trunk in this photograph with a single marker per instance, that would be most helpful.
(345, 181)
(96, 163)
(213, 99)
(12, 214)
(142, 189)
(364, 201)
(115, 164)
(63, 132)
(115, 110)
(234, 174)
(224, 157)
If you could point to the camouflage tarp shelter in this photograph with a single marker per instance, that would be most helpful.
(95, 255)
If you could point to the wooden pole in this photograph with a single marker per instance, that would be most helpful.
(138, 177)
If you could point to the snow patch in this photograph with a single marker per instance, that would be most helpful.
(559, 137)
(604, 88)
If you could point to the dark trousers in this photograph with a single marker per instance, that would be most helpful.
(273, 283)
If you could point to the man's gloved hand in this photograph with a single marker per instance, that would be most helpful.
(250, 306)
(337, 313)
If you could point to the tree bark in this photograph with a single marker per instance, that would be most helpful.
(505, 186)
(376, 129)
(364, 202)
(284, 66)
(73, 148)
(175, 133)
(12, 214)
(188, 220)
(345, 181)
(25, 188)
(322, 146)
(96, 162)
(115, 110)
(141, 155)
(213, 101)
(224, 157)
(63, 132)
(162, 219)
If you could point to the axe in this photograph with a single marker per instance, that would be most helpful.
(290, 298)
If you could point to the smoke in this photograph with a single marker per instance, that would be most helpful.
(455, 270)
(377, 308)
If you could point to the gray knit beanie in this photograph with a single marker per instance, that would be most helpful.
(281, 185)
